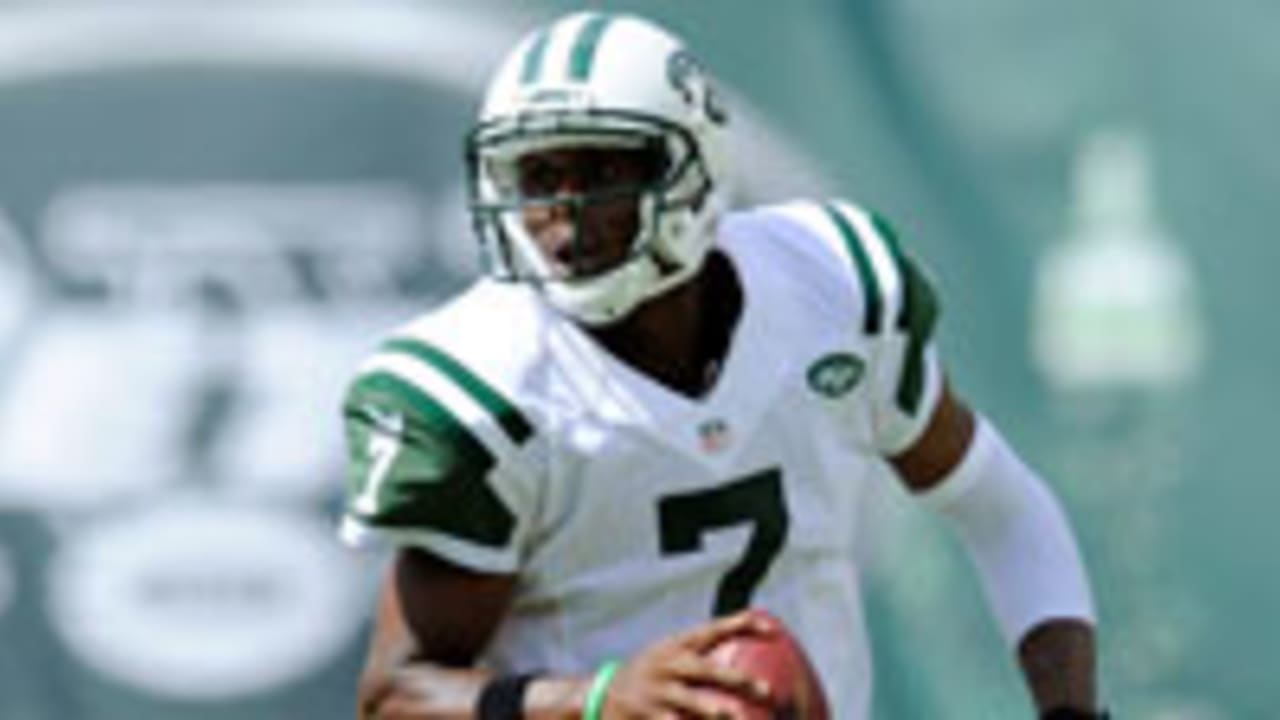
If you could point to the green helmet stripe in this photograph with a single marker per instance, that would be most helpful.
(439, 481)
(871, 292)
(583, 53)
(510, 419)
(533, 58)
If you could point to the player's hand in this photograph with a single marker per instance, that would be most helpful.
(663, 681)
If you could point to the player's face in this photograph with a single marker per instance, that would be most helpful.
(585, 211)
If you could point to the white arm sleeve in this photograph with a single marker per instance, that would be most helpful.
(1017, 535)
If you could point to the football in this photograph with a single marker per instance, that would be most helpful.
(779, 660)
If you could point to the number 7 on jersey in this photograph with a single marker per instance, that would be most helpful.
(756, 499)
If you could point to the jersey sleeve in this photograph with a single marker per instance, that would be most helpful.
(435, 459)
(897, 313)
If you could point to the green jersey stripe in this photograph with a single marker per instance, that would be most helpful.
(534, 57)
(917, 317)
(508, 417)
(872, 294)
(890, 236)
(583, 53)
(439, 479)
(429, 413)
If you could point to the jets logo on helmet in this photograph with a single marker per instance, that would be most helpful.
(605, 81)
(687, 76)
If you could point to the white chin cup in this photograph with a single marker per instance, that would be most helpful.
(608, 298)
(674, 248)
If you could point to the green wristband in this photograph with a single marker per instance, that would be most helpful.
(594, 708)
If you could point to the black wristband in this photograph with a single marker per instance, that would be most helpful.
(503, 697)
(1065, 713)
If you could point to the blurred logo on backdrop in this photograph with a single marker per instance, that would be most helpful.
(224, 321)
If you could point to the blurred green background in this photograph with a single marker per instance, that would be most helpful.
(209, 210)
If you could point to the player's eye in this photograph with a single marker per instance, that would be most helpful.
(538, 178)
(610, 171)
(588, 170)
(622, 169)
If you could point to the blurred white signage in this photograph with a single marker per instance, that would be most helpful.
(1116, 301)
(201, 600)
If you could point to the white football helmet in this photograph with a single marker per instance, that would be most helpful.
(601, 80)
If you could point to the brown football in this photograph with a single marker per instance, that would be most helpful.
(779, 660)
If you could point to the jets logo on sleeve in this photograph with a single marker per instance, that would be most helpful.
(836, 374)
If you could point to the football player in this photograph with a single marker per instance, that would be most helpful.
(654, 412)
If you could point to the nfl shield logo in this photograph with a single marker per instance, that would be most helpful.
(713, 435)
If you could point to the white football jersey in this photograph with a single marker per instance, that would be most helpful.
(498, 435)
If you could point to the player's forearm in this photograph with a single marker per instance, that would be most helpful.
(422, 691)
(427, 691)
(559, 698)
(1059, 660)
